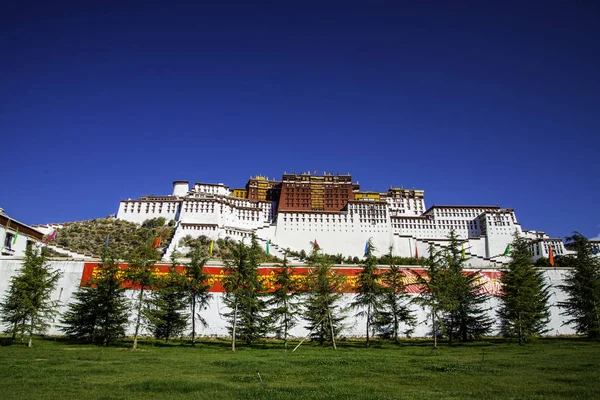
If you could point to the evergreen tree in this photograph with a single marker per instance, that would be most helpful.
(27, 304)
(368, 298)
(396, 303)
(284, 306)
(99, 312)
(433, 291)
(582, 286)
(323, 314)
(197, 287)
(13, 308)
(456, 298)
(524, 310)
(168, 302)
(244, 294)
(464, 317)
(141, 274)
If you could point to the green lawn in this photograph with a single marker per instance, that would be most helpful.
(552, 368)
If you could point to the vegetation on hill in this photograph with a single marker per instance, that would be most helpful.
(90, 237)
(221, 248)
(123, 236)
(385, 259)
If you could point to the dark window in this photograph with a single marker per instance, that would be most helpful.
(8, 240)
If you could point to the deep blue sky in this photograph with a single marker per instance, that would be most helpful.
(476, 103)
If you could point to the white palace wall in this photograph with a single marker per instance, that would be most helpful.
(217, 325)
(211, 210)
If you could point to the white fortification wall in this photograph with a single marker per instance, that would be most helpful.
(217, 325)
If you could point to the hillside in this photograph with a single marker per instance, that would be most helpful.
(90, 236)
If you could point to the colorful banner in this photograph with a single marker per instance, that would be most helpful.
(349, 277)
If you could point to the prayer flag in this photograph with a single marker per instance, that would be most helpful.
(551, 257)
(50, 237)
(210, 247)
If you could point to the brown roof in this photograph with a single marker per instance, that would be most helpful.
(461, 207)
(312, 212)
(23, 229)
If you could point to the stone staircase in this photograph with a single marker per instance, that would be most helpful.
(69, 252)
(486, 261)
(277, 251)
(168, 250)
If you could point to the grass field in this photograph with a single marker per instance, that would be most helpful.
(548, 369)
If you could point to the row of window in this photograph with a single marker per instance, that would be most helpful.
(459, 213)
(199, 228)
(9, 239)
(150, 207)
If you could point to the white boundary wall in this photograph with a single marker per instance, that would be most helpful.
(217, 325)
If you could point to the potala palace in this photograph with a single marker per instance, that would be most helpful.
(331, 209)
(292, 213)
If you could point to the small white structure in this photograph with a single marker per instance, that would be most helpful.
(16, 236)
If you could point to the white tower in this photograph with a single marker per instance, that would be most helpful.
(181, 188)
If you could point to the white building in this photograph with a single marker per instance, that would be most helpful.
(15, 236)
(398, 219)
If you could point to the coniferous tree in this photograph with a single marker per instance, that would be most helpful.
(284, 306)
(396, 303)
(465, 317)
(322, 312)
(524, 310)
(100, 310)
(141, 274)
(27, 305)
(168, 303)
(456, 298)
(197, 287)
(368, 299)
(433, 292)
(582, 286)
(245, 294)
(13, 308)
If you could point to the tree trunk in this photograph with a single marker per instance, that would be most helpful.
(23, 330)
(368, 323)
(30, 334)
(285, 325)
(139, 318)
(434, 329)
(234, 323)
(167, 332)
(193, 321)
(396, 324)
(451, 330)
(332, 332)
(14, 331)
(520, 331)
